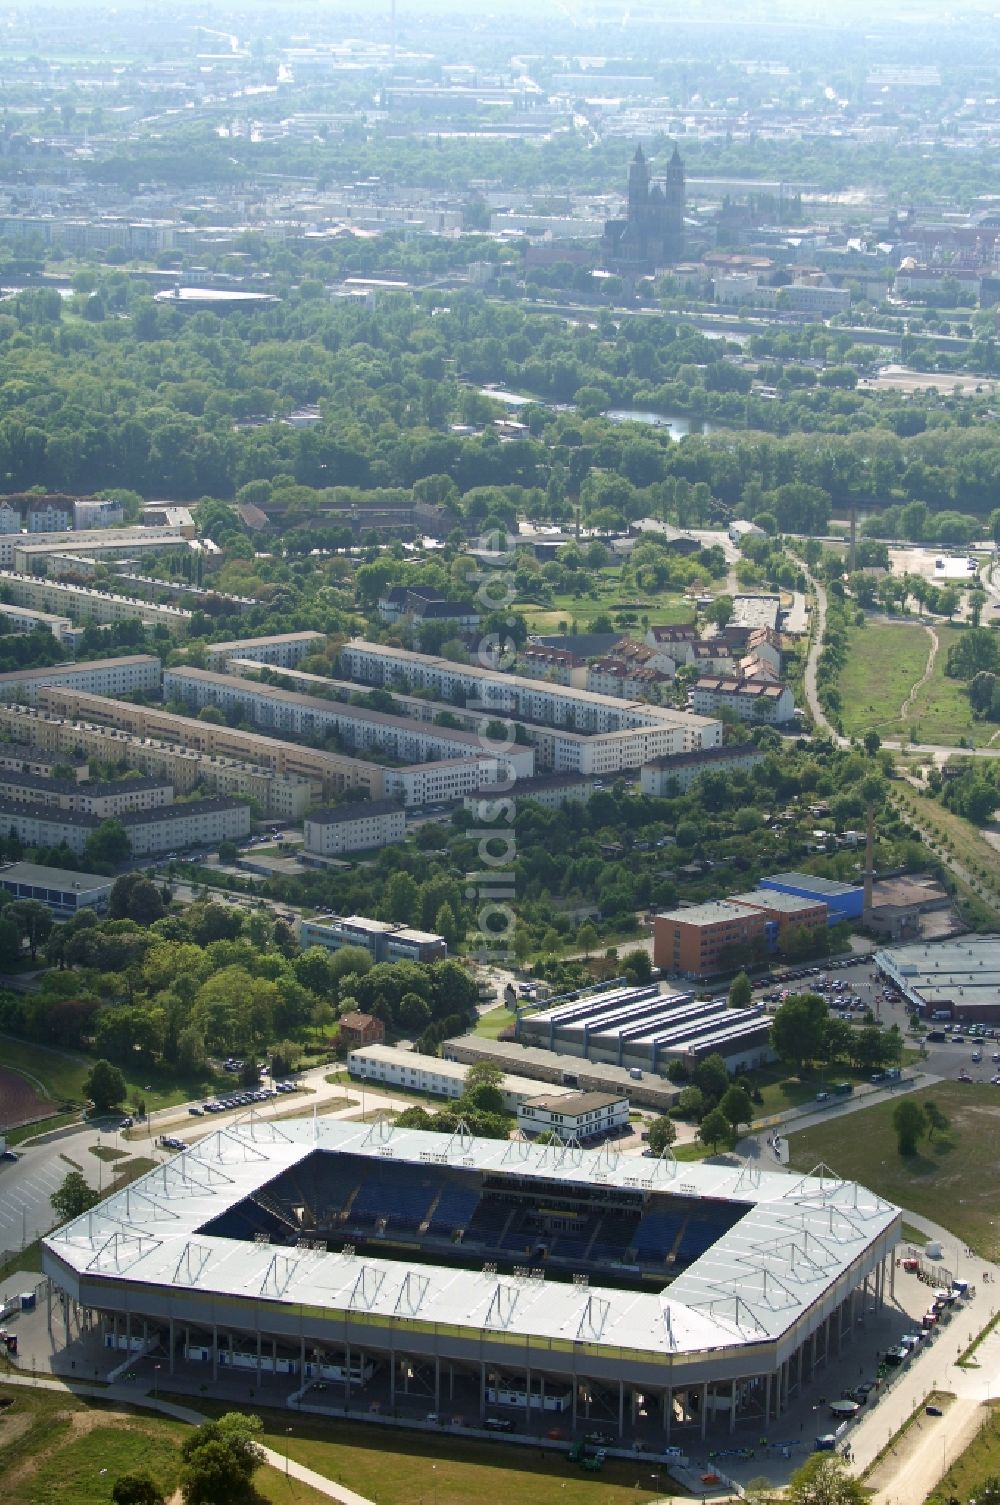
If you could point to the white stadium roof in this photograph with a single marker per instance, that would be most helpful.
(798, 1235)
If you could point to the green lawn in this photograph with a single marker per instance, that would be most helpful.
(489, 1025)
(56, 1449)
(941, 711)
(980, 1460)
(409, 1468)
(884, 661)
(60, 1074)
(951, 1179)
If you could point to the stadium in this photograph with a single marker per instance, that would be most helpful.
(483, 1283)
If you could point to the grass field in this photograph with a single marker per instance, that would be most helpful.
(58, 1450)
(401, 1468)
(60, 1074)
(951, 1179)
(941, 711)
(608, 597)
(884, 661)
(980, 1461)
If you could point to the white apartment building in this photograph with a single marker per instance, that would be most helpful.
(353, 828)
(97, 512)
(659, 777)
(443, 780)
(571, 730)
(574, 1115)
(389, 1066)
(108, 800)
(757, 700)
(23, 619)
(386, 941)
(202, 823)
(308, 715)
(281, 796)
(115, 677)
(49, 515)
(284, 650)
(81, 554)
(67, 538)
(82, 603)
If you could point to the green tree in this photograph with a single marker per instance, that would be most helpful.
(910, 1123)
(823, 1480)
(220, 1459)
(736, 1105)
(662, 1132)
(136, 1489)
(73, 1198)
(105, 1086)
(33, 920)
(872, 742)
(109, 844)
(714, 1129)
(797, 1029)
(937, 1120)
(712, 1076)
(740, 991)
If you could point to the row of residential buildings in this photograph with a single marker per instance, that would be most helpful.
(161, 828)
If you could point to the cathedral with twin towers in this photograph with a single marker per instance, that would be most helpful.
(652, 233)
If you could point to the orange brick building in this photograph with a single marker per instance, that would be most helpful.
(699, 941)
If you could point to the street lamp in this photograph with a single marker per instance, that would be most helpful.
(156, 1381)
(288, 1433)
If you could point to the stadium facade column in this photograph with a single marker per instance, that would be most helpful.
(767, 1397)
(812, 1353)
(576, 1393)
(892, 1278)
(704, 1409)
(527, 1395)
(215, 1352)
(482, 1388)
(171, 1356)
(347, 1374)
(259, 1345)
(732, 1410)
(621, 1408)
(437, 1382)
(668, 1410)
(302, 1357)
(48, 1305)
(393, 1361)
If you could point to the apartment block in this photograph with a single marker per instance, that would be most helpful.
(107, 800)
(385, 941)
(99, 676)
(68, 539)
(700, 941)
(43, 556)
(284, 650)
(662, 776)
(335, 772)
(280, 796)
(21, 619)
(169, 827)
(25, 757)
(307, 715)
(353, 828)
(758, 699)
(82, 603)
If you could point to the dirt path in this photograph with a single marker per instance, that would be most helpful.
(907, 705)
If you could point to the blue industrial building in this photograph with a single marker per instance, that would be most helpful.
(844, 901)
